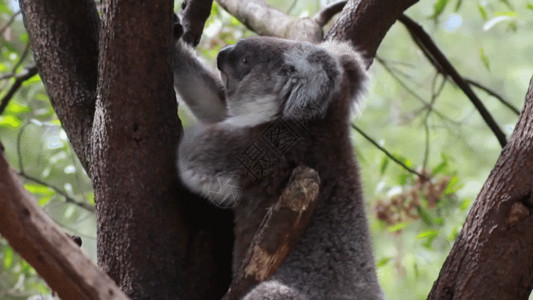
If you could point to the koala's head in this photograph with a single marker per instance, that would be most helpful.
(272, 77)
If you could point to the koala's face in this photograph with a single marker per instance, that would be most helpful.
(273, 77)
(253, 67)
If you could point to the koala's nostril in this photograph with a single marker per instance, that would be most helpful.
(222, 56)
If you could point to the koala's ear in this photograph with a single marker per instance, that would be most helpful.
(355, 74)
(312, 78)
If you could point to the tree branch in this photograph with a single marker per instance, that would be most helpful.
(325, 14)
(34, 236)
(68, 199)
(388, 154)
(443, 65)
(494, 94)
(9, 22)
(67, 62)
(19, 79)
(278, 233)
(365, 23)
(498, 228)
(257, 16)
(193, 17)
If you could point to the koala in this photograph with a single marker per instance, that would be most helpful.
(279, 104)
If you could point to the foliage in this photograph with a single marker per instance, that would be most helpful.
(411, 110)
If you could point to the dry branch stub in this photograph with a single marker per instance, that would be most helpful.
(279, 231)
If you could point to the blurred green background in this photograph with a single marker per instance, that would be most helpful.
(421, 118)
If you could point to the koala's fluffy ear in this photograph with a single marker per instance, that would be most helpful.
(312, 79)
(354, 72)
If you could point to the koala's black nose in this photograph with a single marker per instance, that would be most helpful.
(223, 56)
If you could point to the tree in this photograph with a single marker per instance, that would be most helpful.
(112, 91)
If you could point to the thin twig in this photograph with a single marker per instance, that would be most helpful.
(21, 58)
(443, 65)
(325, 14)
(59, 191)
(412, 92)
(11, 20)
(20, 78)
(493, 94)
(387, 153)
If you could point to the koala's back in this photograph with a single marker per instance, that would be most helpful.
(333, 259)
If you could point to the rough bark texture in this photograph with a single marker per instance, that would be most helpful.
(278, 233)
(365, 23)
(491, 258)
(141, 235)
(64, 39)
(153, 247)
(58, 260)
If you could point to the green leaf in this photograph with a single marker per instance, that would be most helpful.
(38, 189)
(8, 258)
(465, 205)
(458, 5)
(383, 262)
(383, 165)
(10, 121)
(438, 8)
(452, 186)
(453, 234)
(422, 212)
(484, 58)
(482, 11)
(397, 227)
(427, 234)
(529, 6)
(440, 168)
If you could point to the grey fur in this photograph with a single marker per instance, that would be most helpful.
(288, 103)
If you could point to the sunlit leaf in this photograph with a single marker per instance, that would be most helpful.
(438, 8)
(465, 205)
(38, 189)
(427, 233)
(383, 261)
(10, 121)
(383, 165)
(482, 11)
(397, 227)
(452, 186)
(453, 234)
(484, 58)
(8, 258)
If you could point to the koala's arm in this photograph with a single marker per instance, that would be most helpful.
(198, 85)
(207, 165)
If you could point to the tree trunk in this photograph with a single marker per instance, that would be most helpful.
(491, 258)
(154, 244)
(143, 241)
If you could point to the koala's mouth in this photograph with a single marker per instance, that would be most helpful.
(224, 78)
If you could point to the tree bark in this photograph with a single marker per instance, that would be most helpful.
(64, 39)
(365, 23)
(491, 258)
(34, 236)
(143, 241)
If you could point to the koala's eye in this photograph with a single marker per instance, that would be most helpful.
(244, 60)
